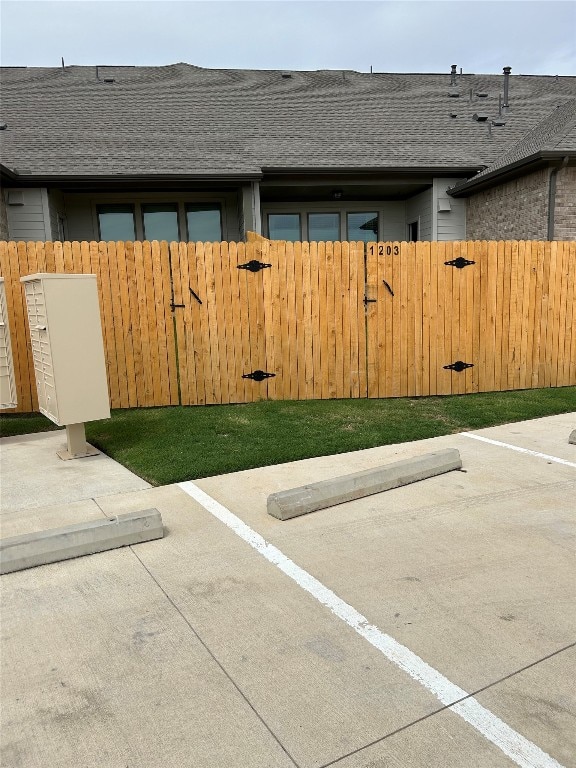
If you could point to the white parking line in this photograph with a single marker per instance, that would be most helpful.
(520, 450)
(523, 752)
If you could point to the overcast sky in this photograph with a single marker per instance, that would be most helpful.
(408, 36)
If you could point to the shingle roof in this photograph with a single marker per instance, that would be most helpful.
(185, 120)
(556, 133)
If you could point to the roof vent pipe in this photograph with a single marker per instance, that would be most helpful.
(453, 74)
(507, 71)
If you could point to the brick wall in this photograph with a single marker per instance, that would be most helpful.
(516, 210)
(3, 217)
(565, 209)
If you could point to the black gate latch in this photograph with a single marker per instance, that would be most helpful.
(369, 301)
(458, 366)
(253, 266)
(258, 375)
(459, 263)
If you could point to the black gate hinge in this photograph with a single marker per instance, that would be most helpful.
(458, 366)
(173, 306)
(258, 375)
(253, 266)
(459, 263)
(369, 301)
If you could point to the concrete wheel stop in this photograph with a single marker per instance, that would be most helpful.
(285, 505)
(51, 546)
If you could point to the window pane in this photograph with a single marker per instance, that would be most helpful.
(116, 222)
(160, 221)
(284, 226)
(324, 226)
(363, 226)
(204, 223)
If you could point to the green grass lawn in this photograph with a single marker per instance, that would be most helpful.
(167, 445)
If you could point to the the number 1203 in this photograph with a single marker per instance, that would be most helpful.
(388, 249)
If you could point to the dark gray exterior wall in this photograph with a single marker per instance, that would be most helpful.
(3, 217)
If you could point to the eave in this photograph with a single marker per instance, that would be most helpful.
(509, 172)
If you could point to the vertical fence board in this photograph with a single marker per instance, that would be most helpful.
(273, 319)
(199, 322)
(355, 320)
(371, 312)
(569, 351)
(424, 258)
(220, 326)
(443, 338)
(418, 289)
(339, 317)
(290, 377)
(233, 340)
(299, 372)
(185, 360)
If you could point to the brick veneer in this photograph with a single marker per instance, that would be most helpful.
(516, 210)
(565, 210)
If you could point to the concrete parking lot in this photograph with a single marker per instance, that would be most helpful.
(431, 625)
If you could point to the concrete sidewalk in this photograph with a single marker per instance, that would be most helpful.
(38, 490)
(197, 651)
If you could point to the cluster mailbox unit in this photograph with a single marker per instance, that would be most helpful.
(7, 381)
(68, 353)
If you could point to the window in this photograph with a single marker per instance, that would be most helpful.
(116, 222)
(284, 226)
(363, 226)
(413, 231)
(204, 223)
(160, 221)
(323, 226)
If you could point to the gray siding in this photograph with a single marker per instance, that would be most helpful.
(29, 221)
(450, 225)
(419, 208)
(394, 221)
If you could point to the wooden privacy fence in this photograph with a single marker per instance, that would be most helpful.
(237, 322)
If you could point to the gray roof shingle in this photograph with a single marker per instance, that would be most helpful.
(555, 133)
(185, 120)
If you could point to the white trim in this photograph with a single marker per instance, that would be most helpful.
(521, 751)
(520, 450)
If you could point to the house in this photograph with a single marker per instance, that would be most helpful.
(185, 153)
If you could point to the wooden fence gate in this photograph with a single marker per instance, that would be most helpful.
(234, 322)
